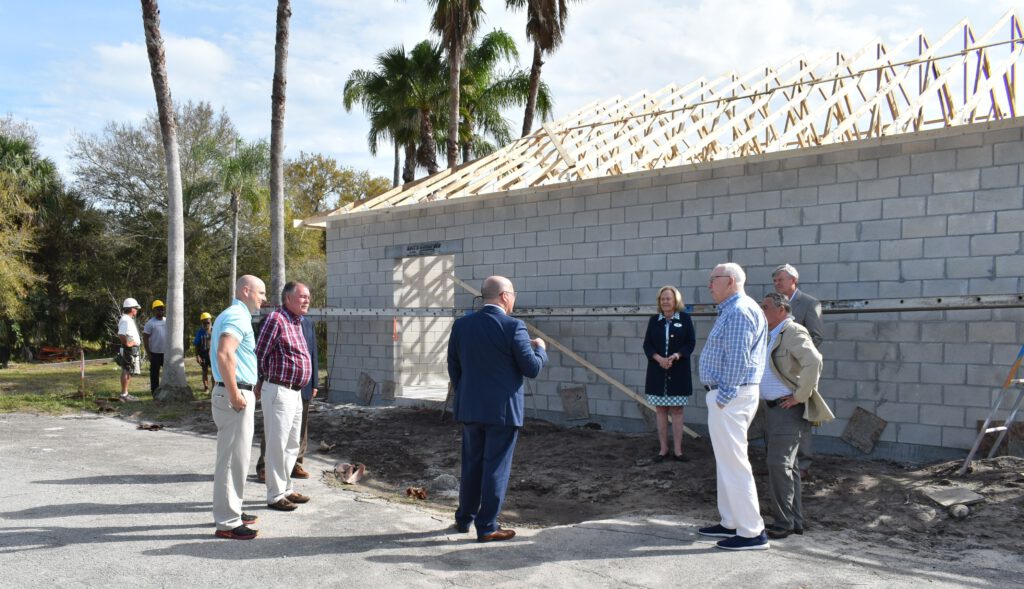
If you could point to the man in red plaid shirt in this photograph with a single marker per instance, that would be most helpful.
(284, 368)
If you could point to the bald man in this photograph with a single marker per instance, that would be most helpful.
(233, 402)
(489, 353)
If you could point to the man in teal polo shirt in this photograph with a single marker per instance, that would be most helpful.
(233, 355)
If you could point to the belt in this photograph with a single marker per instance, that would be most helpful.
(777, 403)
(242, 385)
(286, 385)
(714, 387)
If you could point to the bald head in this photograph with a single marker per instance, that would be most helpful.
(251, 291)
(493, 287)
(498, 290)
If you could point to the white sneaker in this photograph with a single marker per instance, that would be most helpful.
(126, 397)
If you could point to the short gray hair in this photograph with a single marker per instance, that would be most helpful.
(788, 269)
(735, 271)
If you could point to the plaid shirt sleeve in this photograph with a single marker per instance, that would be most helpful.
(265, 342)
(738, 339)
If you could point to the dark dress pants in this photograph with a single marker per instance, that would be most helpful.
(486, 465)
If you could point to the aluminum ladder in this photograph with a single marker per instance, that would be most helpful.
(997, 405)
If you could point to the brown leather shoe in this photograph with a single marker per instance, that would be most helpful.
(261, 475)
(283, 505)
(299, 473)
(497, 536)
(296, 497)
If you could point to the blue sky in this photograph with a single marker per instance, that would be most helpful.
(73, 66)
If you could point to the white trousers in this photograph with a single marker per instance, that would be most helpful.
(282, 423)
(737, 494)
(234, 448)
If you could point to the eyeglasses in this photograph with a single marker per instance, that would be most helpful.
(511, 292)
(712, 279)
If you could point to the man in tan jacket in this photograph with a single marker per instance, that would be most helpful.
(789, 402)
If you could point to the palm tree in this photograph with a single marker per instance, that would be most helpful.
(277, 102)
(173, 385)
(427, 93)
(487, 92)
(383, 94)
(243, 176)
(545, 24)
(456, 22)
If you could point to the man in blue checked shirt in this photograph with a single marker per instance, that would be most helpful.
(731, 365)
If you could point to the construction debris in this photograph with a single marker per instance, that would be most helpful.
(416, 492)
(349, 474)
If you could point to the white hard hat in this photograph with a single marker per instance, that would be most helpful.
(131, 303)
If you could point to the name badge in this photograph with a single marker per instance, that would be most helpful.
(677, 325)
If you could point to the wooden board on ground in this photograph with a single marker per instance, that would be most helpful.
(574, 402)
(946, 496)
(367, 386)
(863, 430)
(387, 390)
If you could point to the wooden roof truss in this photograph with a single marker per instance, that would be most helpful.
(959, 78)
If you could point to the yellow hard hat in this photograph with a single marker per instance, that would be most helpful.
(205, 316)
(157, 303)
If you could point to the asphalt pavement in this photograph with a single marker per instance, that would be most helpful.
(91, 501)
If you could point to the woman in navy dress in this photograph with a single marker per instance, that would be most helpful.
(668, 345)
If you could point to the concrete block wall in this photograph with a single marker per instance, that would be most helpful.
(937, 213)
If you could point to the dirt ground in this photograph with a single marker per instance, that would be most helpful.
(566, 475)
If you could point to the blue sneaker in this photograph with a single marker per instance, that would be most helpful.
(760, 542)
(717, 531)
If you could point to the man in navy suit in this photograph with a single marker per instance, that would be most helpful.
(489, 353)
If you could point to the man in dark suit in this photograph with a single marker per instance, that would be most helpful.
(806, 310)
(489, 353)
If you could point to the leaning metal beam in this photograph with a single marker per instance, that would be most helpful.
(833, 307)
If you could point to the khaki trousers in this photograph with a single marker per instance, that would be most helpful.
(234, 449)
(282, 422)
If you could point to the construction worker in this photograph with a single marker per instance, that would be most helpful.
(154, 339)
(201, 343)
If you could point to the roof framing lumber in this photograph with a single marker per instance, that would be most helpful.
(962, 78)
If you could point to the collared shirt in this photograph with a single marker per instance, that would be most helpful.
(734, 353)
(236, 320)
(281, 349)
(498, 307)
(126, 326)
(771, 387)
(157, 330)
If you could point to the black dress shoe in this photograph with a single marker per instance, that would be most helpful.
(660, 457)
(680, 458)
(462, 528)
(779, 532)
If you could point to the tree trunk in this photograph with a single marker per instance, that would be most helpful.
(465, 153)
(455, 65)
(173, 387)
(277, 103)
(409, 171)
(234, 245)
(427, 154)
(398, 156)
(531, 101)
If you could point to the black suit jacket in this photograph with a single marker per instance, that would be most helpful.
(675, 381)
